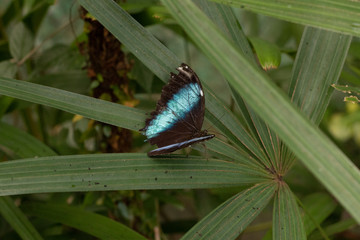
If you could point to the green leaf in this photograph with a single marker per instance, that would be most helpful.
(97, 225)
(11, 12)
(224, 17)
(352, 99)
(224, 150)
(34, 17)
(335, 229)
(161, 61)
(287, 222)
(107, 112)
(269, 54)
(100, 110)
(105, 172)
(318, 207)
(5, 103)
(22, 144)
(230, 219)
(136, 6)
(354, 50)
(224, 120)
(8, 69)
(335, 15)
(74, 81)
(17, 219)
(350, 74)
(347, 89)
(21, 41)
(323, 159)
(4, 6)
(318, 65)
(142, 75)
(135, 37)
(57, 59)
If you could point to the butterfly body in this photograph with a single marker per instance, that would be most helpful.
(176, 123)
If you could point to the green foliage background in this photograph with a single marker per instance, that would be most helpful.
(271, 166)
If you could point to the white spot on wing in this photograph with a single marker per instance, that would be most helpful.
(201, 93)
(181, 69)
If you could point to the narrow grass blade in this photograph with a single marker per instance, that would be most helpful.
(287, 222)
(225, 19)
(100, 110)
(107, 112)
(335, 228)
(104, 172)
(94, 224)
(22, 144)
(269, 140)
(229, 219)
(92, 108)
(224, 150)
(18, 221)
(342, 16)
(338, 174)
(318, 65)
(318, 207)
(222, 118)
(156, 57)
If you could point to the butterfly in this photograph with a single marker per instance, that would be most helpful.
(176, 123)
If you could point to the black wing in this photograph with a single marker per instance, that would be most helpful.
(179, 114)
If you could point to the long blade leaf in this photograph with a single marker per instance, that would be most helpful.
(229, 219)
(17, 219)
(318, 65)
(323, 158)
(342, 16)
(108, 112)
(22, 144)
(97, 225)
(160, 60)
(103, 172)
(287, 222)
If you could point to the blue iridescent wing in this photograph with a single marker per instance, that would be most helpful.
(179, 114)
